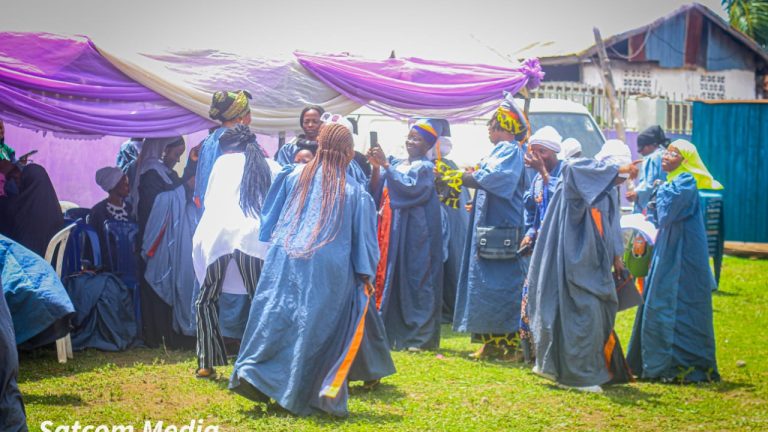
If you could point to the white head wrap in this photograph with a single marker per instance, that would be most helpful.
(108, 177)
(615, 152)
(570, 147)
(548, 138)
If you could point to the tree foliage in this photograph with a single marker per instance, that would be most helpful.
(750, 17)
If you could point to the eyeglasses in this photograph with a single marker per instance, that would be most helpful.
(330, 118)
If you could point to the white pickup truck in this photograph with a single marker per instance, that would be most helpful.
(470, 139)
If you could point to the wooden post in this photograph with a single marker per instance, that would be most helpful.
(610, 92)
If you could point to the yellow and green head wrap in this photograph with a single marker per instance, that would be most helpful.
(227, 105)
(693, 165)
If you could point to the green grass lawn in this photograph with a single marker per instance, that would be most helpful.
(444, 391)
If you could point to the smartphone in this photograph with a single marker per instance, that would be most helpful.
(374, 141)
(26, 155)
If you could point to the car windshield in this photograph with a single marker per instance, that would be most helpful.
(571, 125)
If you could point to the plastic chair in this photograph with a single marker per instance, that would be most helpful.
(122, 240)
(77, 213)
(83, 249)
(55, 256)
(714, 222)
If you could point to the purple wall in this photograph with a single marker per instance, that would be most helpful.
(72, 163)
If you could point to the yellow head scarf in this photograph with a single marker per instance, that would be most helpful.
(693, 165)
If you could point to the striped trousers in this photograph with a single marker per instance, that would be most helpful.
(210, 342)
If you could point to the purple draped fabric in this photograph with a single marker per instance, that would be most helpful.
(62, 84)
(409, 87)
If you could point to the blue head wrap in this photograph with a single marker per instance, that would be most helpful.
(432, 129)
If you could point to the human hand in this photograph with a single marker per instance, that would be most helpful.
(377, 157)
(534, 161)
(631, 169)
(618, 267)
(631, 196)
(194, 154)
(527, 240)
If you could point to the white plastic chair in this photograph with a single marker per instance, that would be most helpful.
(56, 247)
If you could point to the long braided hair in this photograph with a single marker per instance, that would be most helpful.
(257, 177)
(335, 150)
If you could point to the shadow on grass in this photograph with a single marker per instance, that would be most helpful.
(53, 400)
(384, 393)
(42, 363)
(627, 394)
(271, 409)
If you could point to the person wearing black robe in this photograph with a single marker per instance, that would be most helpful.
(155, 176)
(33, 216)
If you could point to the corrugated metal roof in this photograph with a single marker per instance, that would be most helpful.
(551, 53)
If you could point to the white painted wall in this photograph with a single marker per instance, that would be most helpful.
(678, 84)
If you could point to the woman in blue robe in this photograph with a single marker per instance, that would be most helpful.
(310, 123)
(231, 109)
(650, 144)
(572, 294)
(12, 415)
(312, 316)
(41, 309)
(674, 338)
(545, 145)
(412, 298)
(490, 290)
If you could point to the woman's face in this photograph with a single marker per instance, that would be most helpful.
(311, 124)
(416, 145)
(172, 155)
(122, 189)
(671, 159)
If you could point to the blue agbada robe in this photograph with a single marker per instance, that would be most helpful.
(39, 304)
(455, 225)
(490, 291)
(674, 335)
(650, 172)
(12, 416)
(169, 271)
(572, 299)
(304, 309)
(209, 152)
(412, 299)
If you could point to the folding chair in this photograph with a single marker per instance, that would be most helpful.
(83, 247)
(55, 256)
(122, 239)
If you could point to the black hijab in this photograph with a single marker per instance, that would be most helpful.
(34, 216)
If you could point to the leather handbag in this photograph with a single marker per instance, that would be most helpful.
(497, 243)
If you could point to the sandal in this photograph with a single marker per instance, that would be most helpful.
(205, 373)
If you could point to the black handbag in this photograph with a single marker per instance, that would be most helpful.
(497, 243)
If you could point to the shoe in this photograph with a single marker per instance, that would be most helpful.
(205, 373)
(487, 351)
(371, 385)
(414, 349)
(585, 389)
(538, 372)
(512, 357)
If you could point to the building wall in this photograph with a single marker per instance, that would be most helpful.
(681, 83)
